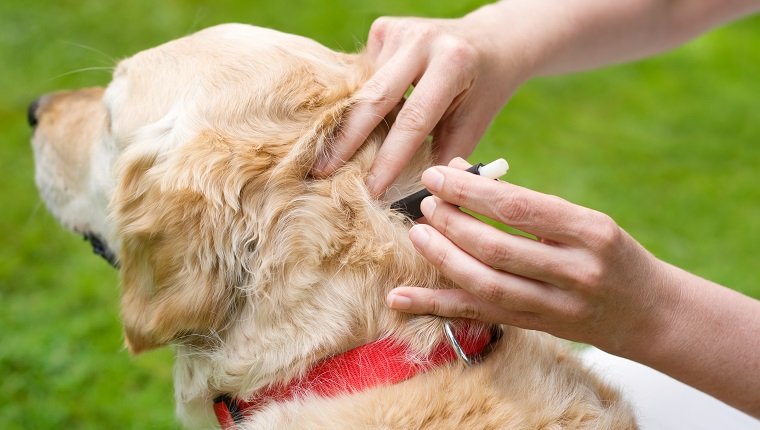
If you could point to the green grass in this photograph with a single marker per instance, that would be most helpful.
(668, 147)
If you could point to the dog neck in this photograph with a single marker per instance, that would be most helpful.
(385, 361)
(322, 282)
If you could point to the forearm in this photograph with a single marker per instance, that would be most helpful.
(560, 36)
(710, 340)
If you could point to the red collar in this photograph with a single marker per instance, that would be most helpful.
(349, 372)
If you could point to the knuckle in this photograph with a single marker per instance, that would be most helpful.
(604, 233)
(435, 306)
(376, 93)
(468, 309)
(559, 267)
(459, 52)
(379, 28)
(566, 273)
(442, 221)
(462, 309)
(578, 312)
(590, 277)
(494, 252)
(412, 118)
(424, 30)
(383, 159)
(512, 207)
(460, 191)
(440, 258)
(491, 290)
(528, 320)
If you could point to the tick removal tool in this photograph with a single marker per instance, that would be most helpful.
(410, 205)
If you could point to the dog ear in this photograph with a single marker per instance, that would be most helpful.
(165, 295)
(180, 258)
(178, 267)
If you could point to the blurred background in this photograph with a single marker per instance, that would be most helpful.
(669, 147)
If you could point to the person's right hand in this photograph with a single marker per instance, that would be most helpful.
(461, 79)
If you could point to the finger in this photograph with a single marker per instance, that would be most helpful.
(459, 163)
(456, 303)
(377, 97)
(505, 290)
(377, 34)
(506, 252)
(421, 112)
(536, 213)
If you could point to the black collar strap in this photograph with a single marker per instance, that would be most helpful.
(100, 247)
(410, 205)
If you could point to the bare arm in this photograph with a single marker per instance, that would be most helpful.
(465, 69)
(713, 343)
(574, 35)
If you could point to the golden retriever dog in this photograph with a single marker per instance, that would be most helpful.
(191, 171)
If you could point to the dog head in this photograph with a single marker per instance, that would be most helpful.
(192, 167)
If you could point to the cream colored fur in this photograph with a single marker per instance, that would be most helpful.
(194, 166)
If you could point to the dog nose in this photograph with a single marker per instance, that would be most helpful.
(31, 112)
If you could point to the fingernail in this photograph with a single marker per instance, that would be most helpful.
(428, 206)
(398, 302)
(432, 178)
(372, 183)
(419, 235)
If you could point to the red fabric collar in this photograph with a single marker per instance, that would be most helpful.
(382, 362)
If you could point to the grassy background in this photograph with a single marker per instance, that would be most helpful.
(668, 147)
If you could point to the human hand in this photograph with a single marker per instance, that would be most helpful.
(584, 279)
(460, 81)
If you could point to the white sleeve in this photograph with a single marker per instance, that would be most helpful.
(661, 402)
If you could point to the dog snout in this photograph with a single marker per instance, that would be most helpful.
(32, 111)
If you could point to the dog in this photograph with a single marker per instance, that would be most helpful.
(190, 172)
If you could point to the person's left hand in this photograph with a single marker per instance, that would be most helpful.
(584, 279)
(462, 74)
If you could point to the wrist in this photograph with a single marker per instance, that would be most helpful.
(659, 332)
(649, 330)
(526, 36)
(502, 41)
(708, 340)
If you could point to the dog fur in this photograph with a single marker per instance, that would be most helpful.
(193, 166)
